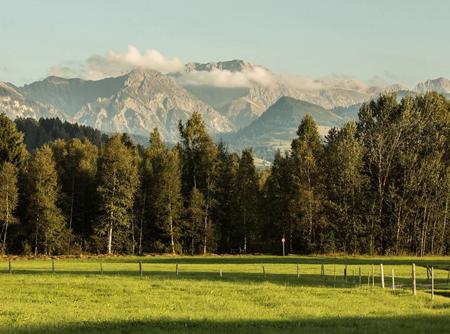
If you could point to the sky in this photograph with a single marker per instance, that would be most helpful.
(398, 41)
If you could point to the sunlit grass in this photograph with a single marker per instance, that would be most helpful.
(79, 298)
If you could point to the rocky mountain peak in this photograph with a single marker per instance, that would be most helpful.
(235, 65)
(440, 85)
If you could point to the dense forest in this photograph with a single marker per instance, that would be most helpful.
(380, 185)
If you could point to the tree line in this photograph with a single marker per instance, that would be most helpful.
(380, 185)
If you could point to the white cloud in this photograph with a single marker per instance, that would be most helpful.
(117, 63)
(225, 78)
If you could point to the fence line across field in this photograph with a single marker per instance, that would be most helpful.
(323, 272)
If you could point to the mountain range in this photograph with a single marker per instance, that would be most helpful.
(242, 103)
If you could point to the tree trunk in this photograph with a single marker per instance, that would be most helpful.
(444, 226)
(6, 222)
(205, 236)
(172, 242)
(141, 224)
(110, 232)
(71, 209)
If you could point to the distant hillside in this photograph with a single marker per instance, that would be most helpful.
(276, 127)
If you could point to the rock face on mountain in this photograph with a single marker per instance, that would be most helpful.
(149, 99)
(440, 85)
(135, 103)
(70, 95)
(276, 127)
(14, 104)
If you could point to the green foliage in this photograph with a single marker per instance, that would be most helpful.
(50, 233)
(8, 199)
(12, 148)
(247, 189)
(195, 229)
(117, 184)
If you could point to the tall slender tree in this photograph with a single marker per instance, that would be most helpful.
(117, 185)
(247, 189)
(8, 199)
(50, 231)
(307, 175)
(200, 169)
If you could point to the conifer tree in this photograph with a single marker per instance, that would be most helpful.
(200, 169)
(12, 148)
(247, 189)
(195, 228)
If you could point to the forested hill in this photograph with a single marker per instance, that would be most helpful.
(45, 130)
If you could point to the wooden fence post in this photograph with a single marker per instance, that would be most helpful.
(393, 280)
(264, 271)
(414, 291)
(368, 279)
(298, 270)
(220, 272)
(9, 265)
(140, 268)
(382, 275)
(345, 273)
(322, 270)
(432, 283)
(101, 266)
(53, 265)
(176, 269)
(360, 278)
(428, 273)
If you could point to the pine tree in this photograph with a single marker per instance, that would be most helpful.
(277, 221)
(225, 213)
(195, 226)
(117, 185)
(8, 199)
(12, 148)
(50, 232)
(76, 162)
(247, 189)
(200, 169)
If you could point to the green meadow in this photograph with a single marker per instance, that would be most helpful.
(254, 294)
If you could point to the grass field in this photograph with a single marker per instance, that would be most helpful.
(78, 298)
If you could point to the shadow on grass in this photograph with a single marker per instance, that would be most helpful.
(367, 325)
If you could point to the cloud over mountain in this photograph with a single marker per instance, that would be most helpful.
(118, 63)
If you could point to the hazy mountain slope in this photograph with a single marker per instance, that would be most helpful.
(149, 99)
(14, 104)
(70, 95)
(276, 127)
(439, 85)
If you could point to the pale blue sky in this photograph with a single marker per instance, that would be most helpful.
(408, 40)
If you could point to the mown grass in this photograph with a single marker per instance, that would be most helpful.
(78, 298)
